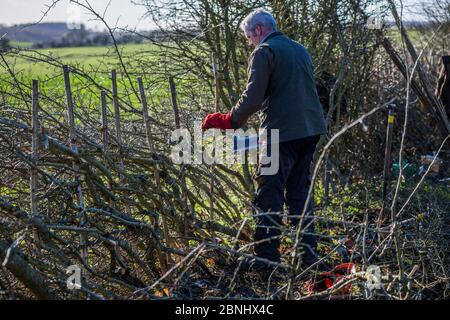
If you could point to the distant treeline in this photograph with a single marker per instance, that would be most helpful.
(55, 35)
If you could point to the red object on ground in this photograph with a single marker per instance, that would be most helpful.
(217, 120)
(326, 280)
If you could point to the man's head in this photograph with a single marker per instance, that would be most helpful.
(257, 25)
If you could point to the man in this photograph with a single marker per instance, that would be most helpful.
(281, 86)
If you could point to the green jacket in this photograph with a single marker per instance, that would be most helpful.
(281, 86)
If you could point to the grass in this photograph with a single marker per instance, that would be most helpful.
(417, 37)
(96, 61)
(89, 58)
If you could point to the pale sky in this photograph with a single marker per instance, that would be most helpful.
(28, 11)
(130, 15)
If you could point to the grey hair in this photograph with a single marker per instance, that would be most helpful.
(258, 17)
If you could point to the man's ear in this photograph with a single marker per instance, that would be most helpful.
(258, 31)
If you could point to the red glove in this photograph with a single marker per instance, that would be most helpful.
(326, 280)
(217, 120)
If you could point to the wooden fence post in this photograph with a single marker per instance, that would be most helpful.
(387, 161)
(216, 82)
(34, 153)
(173, 96)
(105, 133)
(117, 120)
(188, 211)
(34, 147)
(115, 98)
(75, 165)
(216, 107)
(156, 169)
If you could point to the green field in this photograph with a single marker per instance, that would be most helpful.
(95, 64)
(101, 58)
(416, 36)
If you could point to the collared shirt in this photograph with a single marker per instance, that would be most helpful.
(264, 39)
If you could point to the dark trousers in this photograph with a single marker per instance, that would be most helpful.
(289, 185)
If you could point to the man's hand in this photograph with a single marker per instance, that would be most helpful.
(217, 120)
